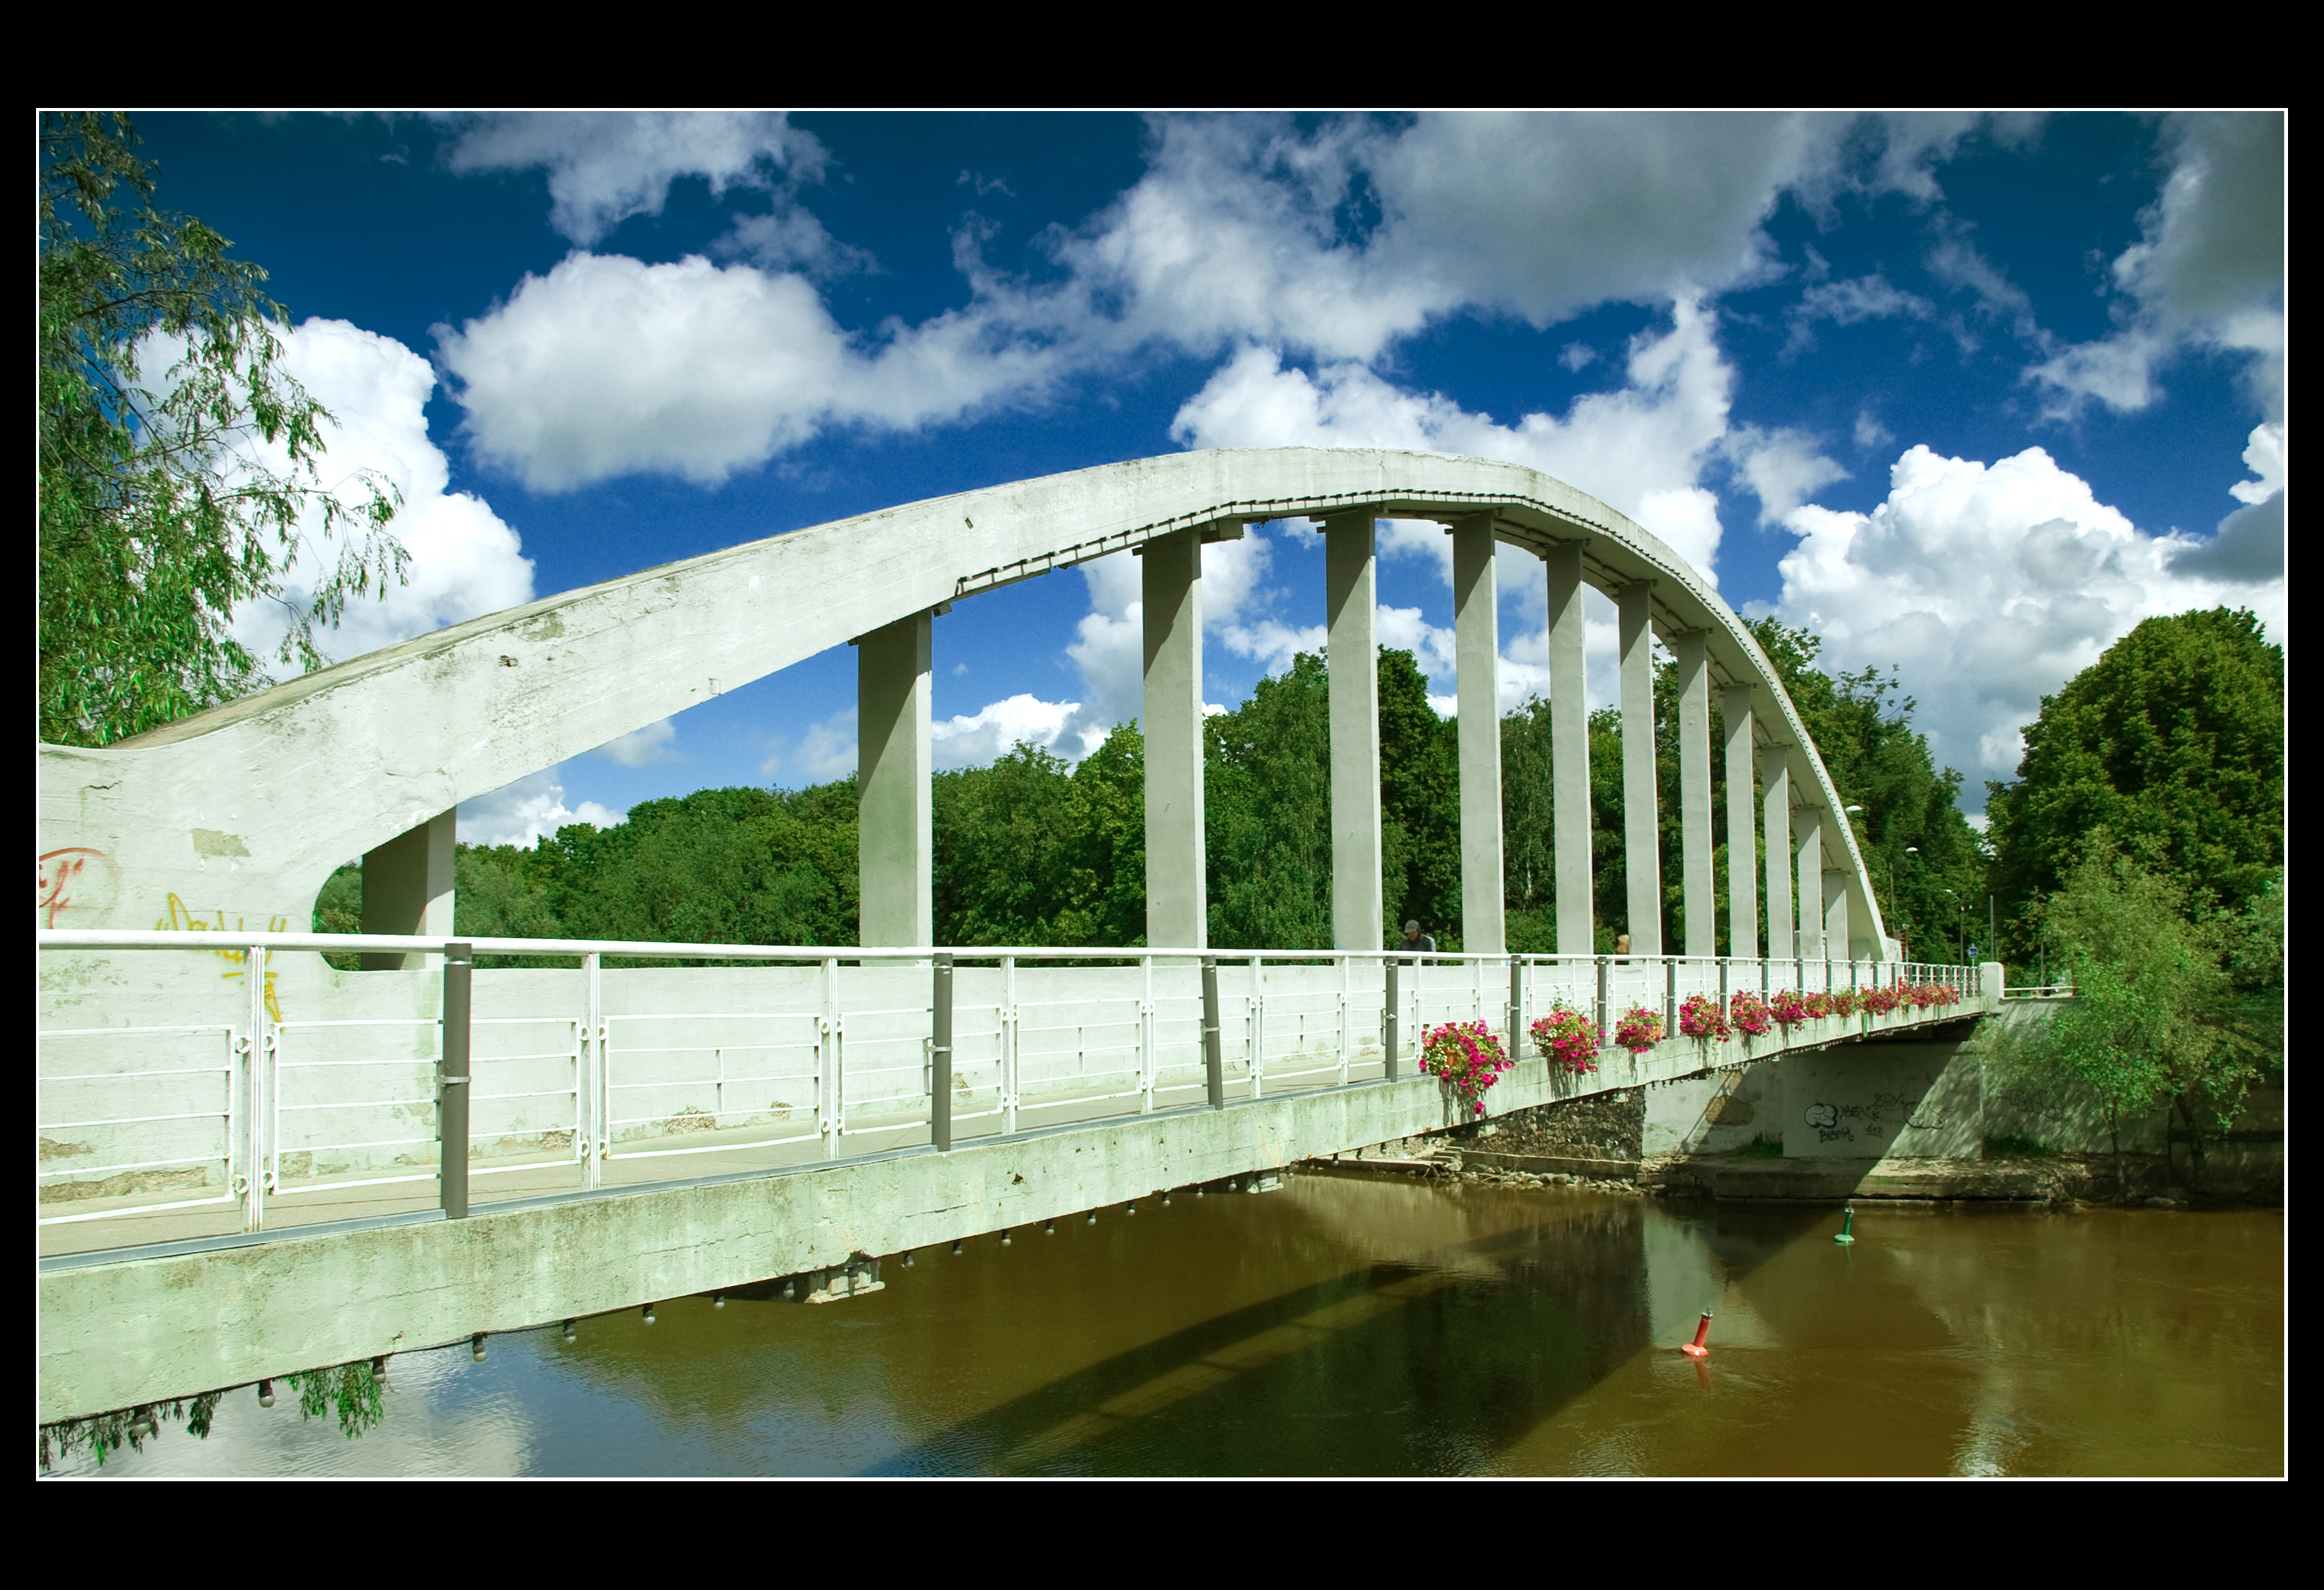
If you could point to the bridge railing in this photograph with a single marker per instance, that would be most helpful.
(275, 1083)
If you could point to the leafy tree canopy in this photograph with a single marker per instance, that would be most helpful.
(2171, 745)
(179, 464)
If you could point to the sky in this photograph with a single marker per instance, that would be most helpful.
(1968, 396)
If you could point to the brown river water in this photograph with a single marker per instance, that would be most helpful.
(1341, 1325)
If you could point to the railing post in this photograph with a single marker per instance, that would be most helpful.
(1215, 1073)
(1516, 1004)
(1605, 1001)
(452, 1072)
(1669, 998)
(597, 1137)
(1257, 1028)
(1008, 1035)
(940, 1056)
(1390, 1009)
(1147, 1064)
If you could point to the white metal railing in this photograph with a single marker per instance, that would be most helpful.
(821, 1045)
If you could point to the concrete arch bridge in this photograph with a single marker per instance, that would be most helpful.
(229, 1125)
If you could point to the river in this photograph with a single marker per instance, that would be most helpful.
(1341, 1325)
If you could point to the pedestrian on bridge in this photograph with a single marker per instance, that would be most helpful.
(1416, 941)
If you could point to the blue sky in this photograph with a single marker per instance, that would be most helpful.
(1970, 396)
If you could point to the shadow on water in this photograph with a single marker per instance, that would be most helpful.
(1428, 1364)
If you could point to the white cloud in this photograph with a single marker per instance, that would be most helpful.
(1785, 467)
(2263, 456)
(825, 753)
(1237, 231)
(465, 560)
(2208, 271)
(606, 167)
(609, 367)
(522, 813)
(1640, 449)
(653, 743)
(974, 742)
(1578, 357)
(1987, 586)
(1852, 302)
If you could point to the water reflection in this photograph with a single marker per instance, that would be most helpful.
(1363, 1328)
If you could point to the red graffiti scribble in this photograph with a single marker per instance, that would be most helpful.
(72, 878)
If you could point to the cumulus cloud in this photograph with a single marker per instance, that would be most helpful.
(654, 743)
(606, 166)
(1332, 240)
(2206, 271)
(609, 367)
(974, 741)
(1989, 585)
(465, 560)
(522, 813)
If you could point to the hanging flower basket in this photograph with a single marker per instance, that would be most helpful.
(1879, 1001)
(1789, 1008)
(1819, 1005)
(1844, 1002)
(1639, 1029)
(1699, 1018)
(1750, 1014)
(1567, 1040)
(1467, 1056)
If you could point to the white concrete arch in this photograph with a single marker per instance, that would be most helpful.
(239, 813)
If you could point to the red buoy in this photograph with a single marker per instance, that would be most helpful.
(1695, 1349)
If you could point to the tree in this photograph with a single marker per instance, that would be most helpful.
(1267, 805)
(2172, 1006)
(2172, 743)
(166, 503)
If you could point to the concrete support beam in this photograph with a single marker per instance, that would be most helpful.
(1569, 729)
(1691, 650)
(1775, 823)
(895, 834)
(1177, 896)
(1836, 945)
(1807, 832)
(1350, 581)
(407, 885)
(1477, 645)
(1742, 830)
(1641, 825)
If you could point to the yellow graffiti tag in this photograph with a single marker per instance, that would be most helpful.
(181, 920)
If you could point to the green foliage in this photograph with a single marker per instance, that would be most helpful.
(2172, 1004)
(2016, 1146)
(1266, 805)
(158, 513)
(350, 1390)
(105, 1433)
(1029, 852)
(1926, 863)
(2172, 745)
(1420, 808)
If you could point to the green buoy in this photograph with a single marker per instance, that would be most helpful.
(1846, 1225)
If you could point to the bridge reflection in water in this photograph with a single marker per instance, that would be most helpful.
(1345, 1326)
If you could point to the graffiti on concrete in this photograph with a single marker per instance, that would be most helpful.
(79, 887)
(180, 919)
(1825, 1119)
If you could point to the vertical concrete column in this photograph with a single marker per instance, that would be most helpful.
(1691, 650)
(1349, 575)
(407, 885)
(1742, 831)
(1807, 831)
(1178, 902)
(1477, 646)
(1835, 916)
(1775, 822)
(895, 834)
(1641, 826)
(1568, 731)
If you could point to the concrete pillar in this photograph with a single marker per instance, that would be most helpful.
(407, 885)
(1691, 650)
(1477, 650)
(1775, 822)
(1742, 831)
(894, 834)
(1348, 573)
(1807, 830)
(1177, 895)
(1569, 729)
(1835, 916)
(1641, 829)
